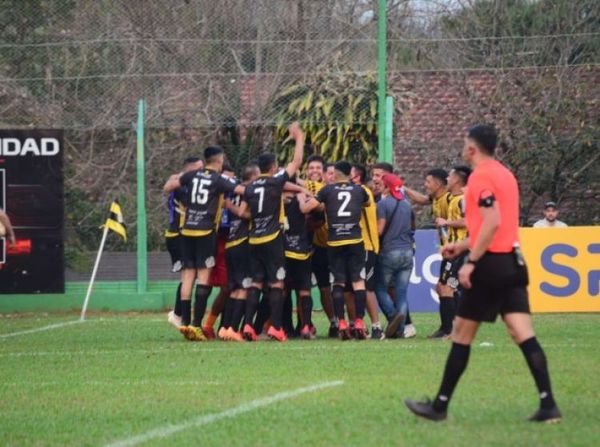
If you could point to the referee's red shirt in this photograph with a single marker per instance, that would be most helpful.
(492, 180)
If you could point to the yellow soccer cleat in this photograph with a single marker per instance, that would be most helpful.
(192, 333)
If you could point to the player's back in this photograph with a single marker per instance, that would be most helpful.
(205, 189)
(343, 208)
(263, 197)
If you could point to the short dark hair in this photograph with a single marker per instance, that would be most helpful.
(485, 136)
(384, 166)
(190, 160)
(362, 171)
(317, 158)
(463, 173)
(249, 171)
(227, 167)
(211, 152)
(343, 166)
(440, 174)
(327, 165)
(266, 162)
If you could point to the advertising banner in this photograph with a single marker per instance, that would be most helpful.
(31, 194)
(563, 263)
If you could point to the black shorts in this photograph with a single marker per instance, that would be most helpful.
(320, 266)
(449, 271)
(174, 248)
(268, 261)
(370, 261)
(347, 263)
(298, 274)
(198, 252)
(498, 286)
(239, 273)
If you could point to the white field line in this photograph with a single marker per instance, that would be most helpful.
(168, 430)
(40, 329)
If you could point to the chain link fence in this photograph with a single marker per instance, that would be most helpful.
(235, 72)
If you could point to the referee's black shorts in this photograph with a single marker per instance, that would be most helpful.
(498, 286)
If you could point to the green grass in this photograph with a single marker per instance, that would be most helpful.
(117, 376)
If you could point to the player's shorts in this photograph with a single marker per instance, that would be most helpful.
(174, 248)
(370, 261)
(498, 286)
(218, 276)
(268, 261)
(320, 266)
(239, 272)
(298, 274)
(347, 263)
(198, 252)
(449, 272)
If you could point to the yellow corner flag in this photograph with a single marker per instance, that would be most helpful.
(115, 221)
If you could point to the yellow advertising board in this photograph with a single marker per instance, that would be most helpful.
(564, 268)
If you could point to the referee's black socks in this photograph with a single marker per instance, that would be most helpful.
(455, 366)
(536, 359)
(202, 294)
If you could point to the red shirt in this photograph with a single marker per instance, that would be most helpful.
(492, 180)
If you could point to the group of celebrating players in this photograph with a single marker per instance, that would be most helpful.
(276, 232)
(272, 233)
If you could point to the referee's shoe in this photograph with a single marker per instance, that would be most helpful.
(425, 410)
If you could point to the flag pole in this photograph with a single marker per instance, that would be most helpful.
(89, 290)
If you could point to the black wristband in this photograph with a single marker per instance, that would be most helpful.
(470, 261)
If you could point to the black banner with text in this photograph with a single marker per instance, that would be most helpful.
(31, 194)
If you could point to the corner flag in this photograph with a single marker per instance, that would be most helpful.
(115, 221)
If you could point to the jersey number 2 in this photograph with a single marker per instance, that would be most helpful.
(344, 196)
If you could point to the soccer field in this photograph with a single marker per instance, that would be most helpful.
(132, 380)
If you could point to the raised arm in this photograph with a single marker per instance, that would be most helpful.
(297, 134)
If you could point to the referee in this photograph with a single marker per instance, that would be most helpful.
(494, 277)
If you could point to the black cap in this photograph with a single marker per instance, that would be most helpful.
(550, 205)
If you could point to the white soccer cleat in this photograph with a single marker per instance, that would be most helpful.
(410, 331)
(174, 319)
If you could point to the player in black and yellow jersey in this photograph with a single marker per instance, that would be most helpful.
(176, 206)
(298, 252)
(237, 257)
(368, 228)
(263, 200)
(343, 203)
(205, 188)
(456, 229)
(439, 198)
(315, 180)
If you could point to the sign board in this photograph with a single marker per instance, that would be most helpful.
(31, 182)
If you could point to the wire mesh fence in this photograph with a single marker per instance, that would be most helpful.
(235, 72)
